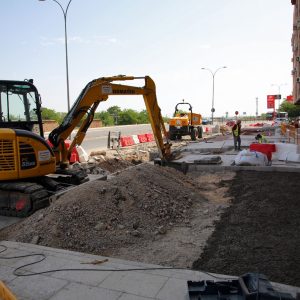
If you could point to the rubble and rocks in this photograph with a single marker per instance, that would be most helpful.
(100, 217)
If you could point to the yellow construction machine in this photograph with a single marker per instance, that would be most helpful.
(30, 169)
(185, 124)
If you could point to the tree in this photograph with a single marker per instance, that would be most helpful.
(128, 116)
(51, 114)
(143, 117)
(114, 110)
(292, 109)
(106, 118)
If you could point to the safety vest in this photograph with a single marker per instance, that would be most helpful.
(262, 140)
(236, 131)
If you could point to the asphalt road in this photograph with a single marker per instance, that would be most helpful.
(96, 138)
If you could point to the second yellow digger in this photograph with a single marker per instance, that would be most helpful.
(185, 124)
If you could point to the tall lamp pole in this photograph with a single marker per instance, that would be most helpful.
(256, 107)
(213, 89)
(66, 46)
(278, 87)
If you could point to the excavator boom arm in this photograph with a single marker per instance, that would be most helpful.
(97, 91)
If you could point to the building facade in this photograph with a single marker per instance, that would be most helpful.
(296, 51)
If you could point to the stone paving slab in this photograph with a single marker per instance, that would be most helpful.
(108, 285)
(75, 291)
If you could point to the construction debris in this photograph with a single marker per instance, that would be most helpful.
(136, 203)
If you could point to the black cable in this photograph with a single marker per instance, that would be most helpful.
(15, 272)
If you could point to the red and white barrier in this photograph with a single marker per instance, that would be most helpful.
(126, 141)
(131, 140)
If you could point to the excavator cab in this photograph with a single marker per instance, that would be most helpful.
(20, 106)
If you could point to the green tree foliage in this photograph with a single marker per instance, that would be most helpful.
(143, 117)
(128, 116)
(106, 118)
(114, 110)
(51, 114)
(292, 109)
(113, 116)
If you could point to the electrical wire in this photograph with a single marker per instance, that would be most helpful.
(43, 257)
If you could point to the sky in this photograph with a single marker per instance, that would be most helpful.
(168, 40)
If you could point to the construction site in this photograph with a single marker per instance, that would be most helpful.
(172, 207)
(207, 214)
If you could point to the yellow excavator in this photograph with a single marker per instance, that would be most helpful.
(30, 169)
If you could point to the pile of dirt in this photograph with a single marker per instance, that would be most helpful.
(259, 232)
(113, 165)
(100, 217)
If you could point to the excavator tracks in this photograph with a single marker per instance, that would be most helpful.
(21, 199)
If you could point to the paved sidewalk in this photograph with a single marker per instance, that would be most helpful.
(89, 285)
(127, 285)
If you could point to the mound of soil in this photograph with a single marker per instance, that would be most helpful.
(114, 164)
(259, 232)
(100, 217)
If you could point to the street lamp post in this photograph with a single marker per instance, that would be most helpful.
(66, 47)
(213, 90)
(278, 87)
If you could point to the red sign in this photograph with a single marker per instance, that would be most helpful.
(289, 98)
(271, 101)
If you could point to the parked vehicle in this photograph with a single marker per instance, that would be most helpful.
(185, 124)
(279, 121)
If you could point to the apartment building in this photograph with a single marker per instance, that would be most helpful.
(296, 51)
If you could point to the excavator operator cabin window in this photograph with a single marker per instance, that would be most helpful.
(18, 106)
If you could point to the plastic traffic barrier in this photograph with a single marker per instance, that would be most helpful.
(135, 139)
(142, 138)
(74, 154)
(264, 148)
(126, 141)
(150, 137)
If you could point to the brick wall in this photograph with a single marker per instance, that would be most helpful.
(96, 123)
(49, 125)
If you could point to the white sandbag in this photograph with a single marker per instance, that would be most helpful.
(251, 158)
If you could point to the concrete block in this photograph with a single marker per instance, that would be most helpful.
(136, 283)
(75, 291)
